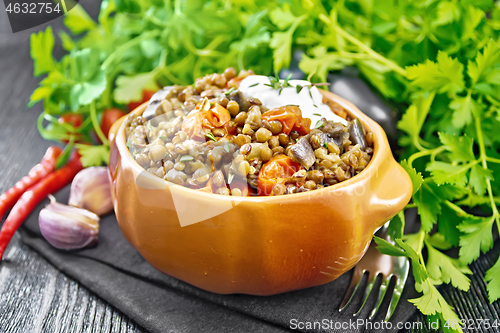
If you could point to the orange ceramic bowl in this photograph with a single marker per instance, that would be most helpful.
(256, 245)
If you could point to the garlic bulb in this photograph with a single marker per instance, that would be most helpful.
(91, 190)
(67, 227)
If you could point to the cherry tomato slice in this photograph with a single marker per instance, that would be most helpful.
(276, 169)
(291, 118)
(216, 117)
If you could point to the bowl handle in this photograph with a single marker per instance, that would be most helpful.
(392, 190)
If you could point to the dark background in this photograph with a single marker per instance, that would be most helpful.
(36, 297)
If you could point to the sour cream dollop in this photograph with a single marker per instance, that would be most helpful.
(254, 86)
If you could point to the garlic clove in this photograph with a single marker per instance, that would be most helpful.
(91, 190)
(67, 227)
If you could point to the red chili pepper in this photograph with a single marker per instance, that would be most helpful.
(34, 195)
(38, 172)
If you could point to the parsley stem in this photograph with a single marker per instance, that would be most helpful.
(425, 152)
(492, 160)
(95, 124)
(456, 208)
(389, 63)
(421, 153)
(483, 156)
(425, 108)
(437, 151)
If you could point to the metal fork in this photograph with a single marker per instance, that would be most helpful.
(375, 263)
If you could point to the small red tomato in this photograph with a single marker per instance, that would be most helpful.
(74, 120)
(146, 96)
(109, 117)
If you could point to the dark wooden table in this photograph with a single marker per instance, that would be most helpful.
(36, 297)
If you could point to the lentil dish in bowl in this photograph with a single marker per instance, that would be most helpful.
(245, 242)
(216, 138)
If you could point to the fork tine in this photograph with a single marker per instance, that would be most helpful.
(398, 288)
(372, 278)
(351, 291)
(381, 293)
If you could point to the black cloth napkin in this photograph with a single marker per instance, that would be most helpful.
(115, 271)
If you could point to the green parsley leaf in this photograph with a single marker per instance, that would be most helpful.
(41, 47)
(428, 205)
(447, 12)
(282, 17)
(387, 248)
(473, 17)
(438, 241)
(460, 147)
(432, 302)
(443, 268)
(84, 93)
(93, 155)
(418, 268)
(67, 43)
(281, 42)
(416, 178)
(444, 75)
(484, 61)
(414, 117)
(396, 226)
(77, 20)
(448, 222)
(464, 108)
(477, 237)
(186, 158)
(493, 278)
(478, 177)
(443, 173)
(323, 62)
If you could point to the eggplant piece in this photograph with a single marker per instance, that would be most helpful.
(303, 153)
(337, 138)
(155, 102)
(356, 134)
